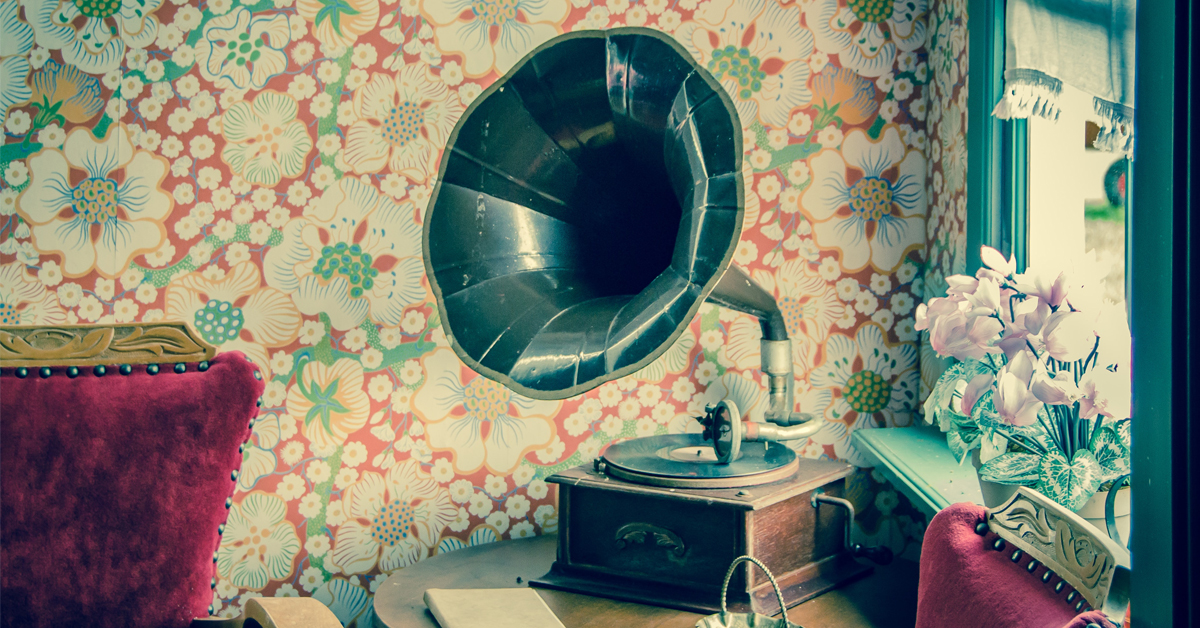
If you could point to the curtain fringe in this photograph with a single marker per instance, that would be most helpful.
(1029, 93)
(1116, 127)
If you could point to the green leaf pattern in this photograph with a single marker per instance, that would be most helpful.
(1069, 483)
(1012, 468)
(1111, 453)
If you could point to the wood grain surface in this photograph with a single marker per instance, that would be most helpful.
(884, 600)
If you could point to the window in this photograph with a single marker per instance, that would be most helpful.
(1161, 268)
(1040, 190)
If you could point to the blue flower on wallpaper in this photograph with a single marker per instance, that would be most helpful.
(16, 40)
(354, 254)
(854, 202)
(93, 34)
(240, 50)
(348, 600)
(97, 202)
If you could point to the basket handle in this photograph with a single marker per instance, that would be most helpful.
(729, 575)
(1110, 521)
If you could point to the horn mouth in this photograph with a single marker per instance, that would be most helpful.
(586, 205)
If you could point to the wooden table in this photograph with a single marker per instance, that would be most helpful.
(885, 599)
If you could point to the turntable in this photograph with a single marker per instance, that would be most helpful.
(587, 204)
(657, 520)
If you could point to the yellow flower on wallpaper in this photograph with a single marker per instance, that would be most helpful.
(400, 123)
(482, 423)
(493, 34)
(259, 544)
(809, 306)
(757, 50)
(864, 382)
(264, 139)
(97, 203)
(25, 301)
(339, 22)
(393, 520)
(870, 216)
(842, 93)
(235, 312)
(355, 253)
(93, 34)
(62, 90)
(330, 401)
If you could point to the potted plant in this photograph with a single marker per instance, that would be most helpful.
(1041, 385)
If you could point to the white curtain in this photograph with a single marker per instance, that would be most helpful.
(1086, 44)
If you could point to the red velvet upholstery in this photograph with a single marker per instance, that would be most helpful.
(964, 582)
(112, 489)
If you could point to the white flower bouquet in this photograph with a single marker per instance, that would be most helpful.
(1041, 384)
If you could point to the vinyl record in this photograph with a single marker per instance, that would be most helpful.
(687, 460)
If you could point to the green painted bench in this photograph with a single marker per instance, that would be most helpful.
(918, 463)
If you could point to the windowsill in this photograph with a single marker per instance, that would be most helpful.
(918, 463)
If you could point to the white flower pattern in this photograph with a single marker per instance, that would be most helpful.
(354, 253)
(243, 223)
(870, 217)
(105, 217)
(482, 423)
(93, 34)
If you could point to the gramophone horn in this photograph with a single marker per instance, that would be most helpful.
(587, 203)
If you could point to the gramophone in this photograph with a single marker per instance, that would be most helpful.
(588, 203)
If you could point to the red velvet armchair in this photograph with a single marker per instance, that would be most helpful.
(1029, 563)
(120, 447)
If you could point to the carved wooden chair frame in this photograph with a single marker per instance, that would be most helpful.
(1092, 564)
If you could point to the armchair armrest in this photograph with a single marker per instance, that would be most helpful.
(277, 612)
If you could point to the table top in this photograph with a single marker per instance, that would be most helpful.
(885, 599)
(917, 461)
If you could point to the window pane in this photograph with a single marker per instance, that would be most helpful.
(1076, 195)
(1104, 213)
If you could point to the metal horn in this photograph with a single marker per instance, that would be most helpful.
(587, 204)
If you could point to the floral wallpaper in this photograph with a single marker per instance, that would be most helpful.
(260, 169)
(946, 177)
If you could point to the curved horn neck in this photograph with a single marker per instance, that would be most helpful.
(737, 291)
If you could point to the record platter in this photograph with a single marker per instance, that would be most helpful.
(657, 520)
(687, 461)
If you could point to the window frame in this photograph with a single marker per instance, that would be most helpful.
(997, 157)
(1163, 311)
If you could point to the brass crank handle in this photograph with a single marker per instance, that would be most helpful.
(879, 555)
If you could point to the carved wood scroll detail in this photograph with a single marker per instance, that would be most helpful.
(646, 533)
(1060, 540)
(88, 345)
(1082, 556)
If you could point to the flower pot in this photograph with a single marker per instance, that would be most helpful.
(1093, 513)
(995, 494)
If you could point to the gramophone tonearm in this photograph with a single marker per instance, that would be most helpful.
(725, 430)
